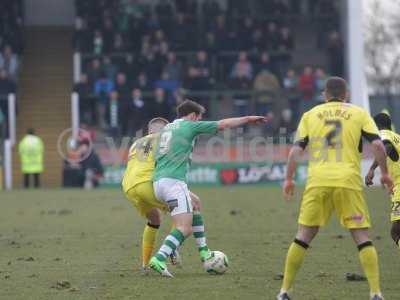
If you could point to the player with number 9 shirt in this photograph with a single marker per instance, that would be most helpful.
(169, 180)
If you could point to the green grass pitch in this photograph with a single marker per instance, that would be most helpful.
(91, 240)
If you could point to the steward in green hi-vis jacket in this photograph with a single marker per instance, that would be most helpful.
(31, 152)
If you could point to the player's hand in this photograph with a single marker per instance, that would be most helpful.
(288, 188)
(387, 182)
(369, 178)
(257, 120)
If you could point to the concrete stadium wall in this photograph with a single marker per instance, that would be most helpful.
(49, 12)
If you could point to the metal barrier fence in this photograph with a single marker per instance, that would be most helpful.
(7, 139)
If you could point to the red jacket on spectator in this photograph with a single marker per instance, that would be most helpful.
(306, 84)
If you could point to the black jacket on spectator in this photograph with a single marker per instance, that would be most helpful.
(7, 86)
(93, 162)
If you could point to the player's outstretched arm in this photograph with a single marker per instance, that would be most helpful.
(371, 173)
(238, 122)
(288, 185)
(391, 152)
(380, 156)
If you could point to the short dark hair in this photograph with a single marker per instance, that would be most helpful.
(383, 121)
(30, 131)
(336, 87)
(187, 107)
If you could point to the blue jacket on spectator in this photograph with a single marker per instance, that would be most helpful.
(169, 86)
(103, 87)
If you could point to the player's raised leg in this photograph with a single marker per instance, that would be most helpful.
(369, 260)
(295, 257)
(150, 234)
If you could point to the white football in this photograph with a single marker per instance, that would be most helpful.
(217, 264)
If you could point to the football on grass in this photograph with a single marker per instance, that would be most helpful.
(217, 264)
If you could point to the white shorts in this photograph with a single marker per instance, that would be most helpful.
(175, 194)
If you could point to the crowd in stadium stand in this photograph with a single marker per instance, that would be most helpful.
(140, 60)
(11, 46)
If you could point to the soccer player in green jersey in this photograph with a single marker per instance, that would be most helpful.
(172, 163)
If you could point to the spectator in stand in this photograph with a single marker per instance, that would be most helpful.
(181, 30)
(152, 22)
(87, 132)
(164, 9)
(162, 54)
(335, 54)
(81, 36)
(138, 112)
(243, 67)
(7, 86)
(286, 39)
(320, 80)
(165, 12)
(246, 34)
(122, 87)
(91, 166)
(108, 32)
(266, 88)
(94, 71)
(114, 114)
(160, 106)
(98, 43)
(129, 68)
(142, 82)
(157, 40)
(146, 45)
(9, 62)
(211, 8)
(286, 45)
(136, 30)
(151, 65)
(307, 88)
(124, 94)
(286, 123)
(257, 40)
(132, 9)
(169, 86)
(172, 67)
(188, 7)
(2, 122)
(119, 44)
(109, 68)
(241, 77)
(222, 34)
(103, 87)
(210, 43)
(264, 63)
(238, 7)
(290, 84)
(272, 37)
(325, 8)
(87, 105)
(199, 72)
(282, 7)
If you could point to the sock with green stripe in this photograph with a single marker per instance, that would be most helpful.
(171, 243)
(200, 235)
